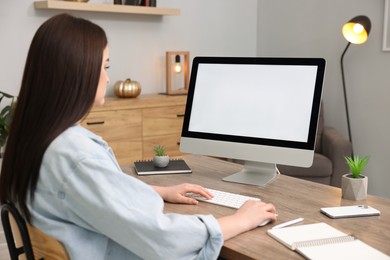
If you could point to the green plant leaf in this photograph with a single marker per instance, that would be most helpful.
(356, 164)
(159, 150)
(5, 117)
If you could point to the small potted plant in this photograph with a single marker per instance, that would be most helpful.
(354, 184)
(160, 159)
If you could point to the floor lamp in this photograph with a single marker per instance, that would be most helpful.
(355, 31)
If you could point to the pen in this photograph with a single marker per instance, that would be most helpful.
(288, 223)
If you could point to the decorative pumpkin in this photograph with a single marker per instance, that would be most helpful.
(127, 88)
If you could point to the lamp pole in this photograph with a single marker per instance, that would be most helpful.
(345, 94)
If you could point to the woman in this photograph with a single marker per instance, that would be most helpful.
(66, 180)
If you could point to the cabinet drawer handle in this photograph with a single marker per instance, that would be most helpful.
(180, 115)
(95, 123)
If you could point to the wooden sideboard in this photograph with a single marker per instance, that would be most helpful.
(133, 126)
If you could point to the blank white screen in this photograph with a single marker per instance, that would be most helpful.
(261, 101)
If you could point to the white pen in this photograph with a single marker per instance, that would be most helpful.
(288, 223)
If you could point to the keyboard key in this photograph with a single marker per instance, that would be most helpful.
(223, 198)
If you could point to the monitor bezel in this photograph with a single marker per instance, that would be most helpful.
(316, 102)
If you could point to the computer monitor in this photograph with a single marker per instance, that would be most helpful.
(260, 110)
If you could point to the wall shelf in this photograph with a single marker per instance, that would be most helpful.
(105, 8)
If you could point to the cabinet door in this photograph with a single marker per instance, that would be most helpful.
(162, 126)
(162, 120)
(170, 142)
(122, 129)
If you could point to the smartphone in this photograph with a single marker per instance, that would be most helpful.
(350, 211)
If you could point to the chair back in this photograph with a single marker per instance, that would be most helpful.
(45, 246)
(16, 233)
(27, 241)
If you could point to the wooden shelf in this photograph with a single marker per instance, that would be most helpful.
(105, 8)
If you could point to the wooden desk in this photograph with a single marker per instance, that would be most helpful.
(292, 197)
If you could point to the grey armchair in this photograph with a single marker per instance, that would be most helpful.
(328, 163)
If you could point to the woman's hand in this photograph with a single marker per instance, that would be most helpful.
(177, 193)
(256, 212)
(247, 217)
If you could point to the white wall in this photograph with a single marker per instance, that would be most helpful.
(138, 43)
(313, 28)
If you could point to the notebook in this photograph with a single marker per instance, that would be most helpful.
(322, 241)
(175, 166)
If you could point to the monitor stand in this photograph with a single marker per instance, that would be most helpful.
(255, 173)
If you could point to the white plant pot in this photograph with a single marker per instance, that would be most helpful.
(161, 161)
(354, 188)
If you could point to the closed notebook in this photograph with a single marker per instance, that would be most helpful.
(322, 241)
(175, 166)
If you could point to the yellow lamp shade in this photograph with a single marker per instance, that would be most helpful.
(357, 29)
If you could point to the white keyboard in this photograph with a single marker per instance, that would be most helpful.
(223, 198)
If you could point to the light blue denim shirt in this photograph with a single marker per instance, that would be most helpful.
(84, 200)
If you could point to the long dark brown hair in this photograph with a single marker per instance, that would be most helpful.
(58, 89)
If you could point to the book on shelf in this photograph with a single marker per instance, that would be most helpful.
(150, 3)
(322, 241)
(175, 166)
